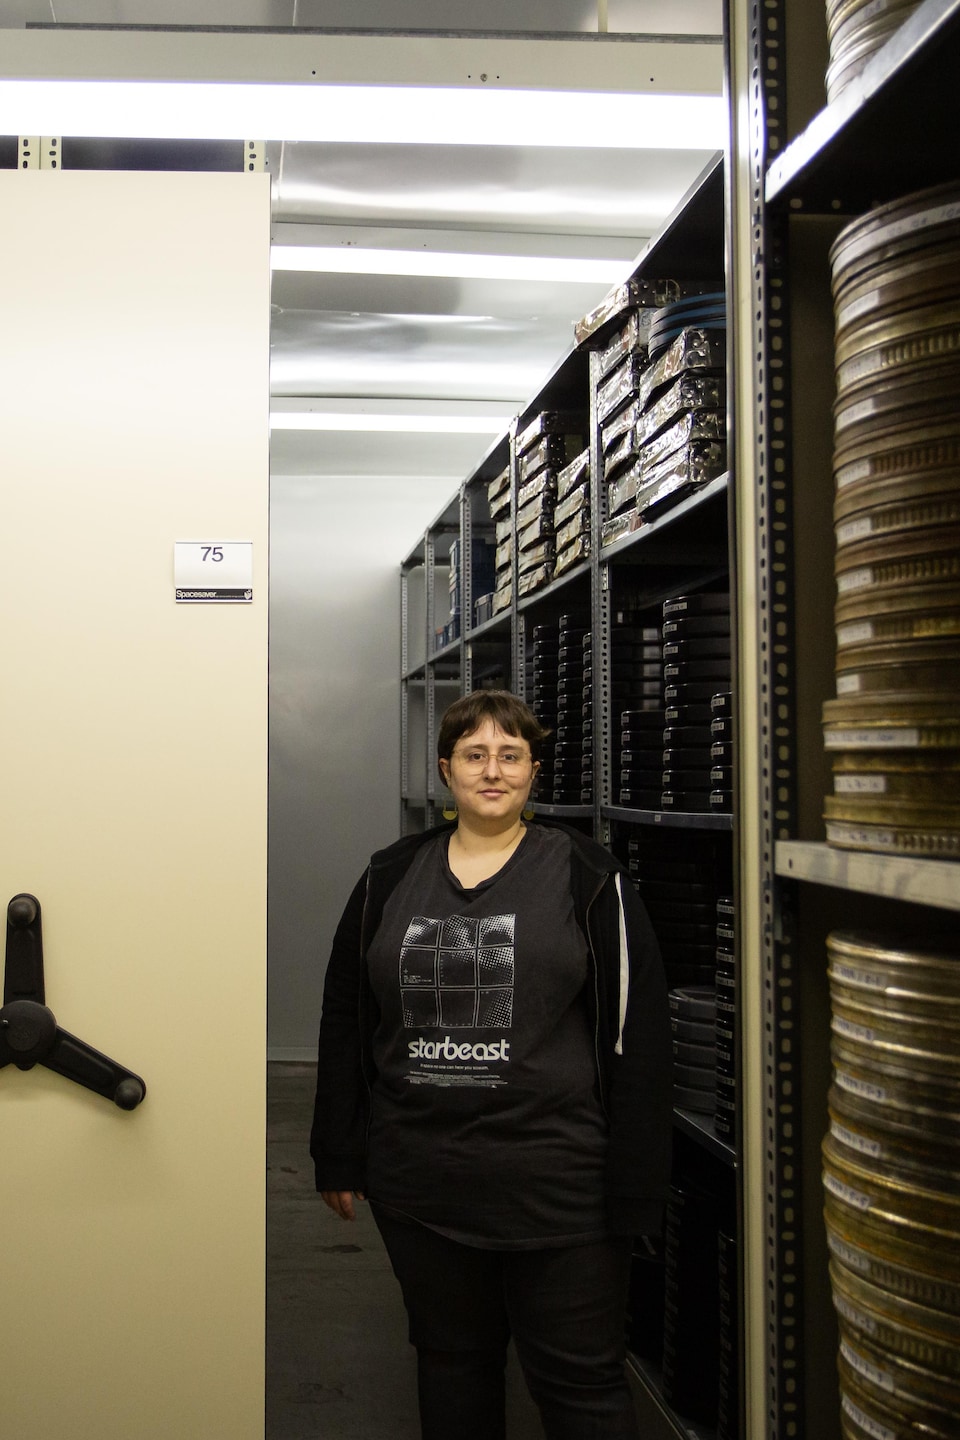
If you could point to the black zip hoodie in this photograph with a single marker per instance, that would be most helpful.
(628, 1010)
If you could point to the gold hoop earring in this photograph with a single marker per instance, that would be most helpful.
(449, 811)
(529, 811)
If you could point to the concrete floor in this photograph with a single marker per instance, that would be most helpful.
(338, 1363)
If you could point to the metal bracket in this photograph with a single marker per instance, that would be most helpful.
(254, 156)
(39, 152)
(29, 1033)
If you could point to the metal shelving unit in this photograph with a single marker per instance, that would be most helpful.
(900, 145)
(423, 667)
(803, 169)
(799, 168)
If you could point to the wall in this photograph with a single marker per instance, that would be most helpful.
(336, 548)
(133, 413)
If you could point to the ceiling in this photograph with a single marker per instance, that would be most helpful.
(367, 339)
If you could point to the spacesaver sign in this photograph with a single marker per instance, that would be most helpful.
(218, 571)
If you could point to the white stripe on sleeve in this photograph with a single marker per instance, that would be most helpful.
(624, 967)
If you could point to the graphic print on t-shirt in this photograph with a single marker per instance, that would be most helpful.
(458, 971)
(458, 974)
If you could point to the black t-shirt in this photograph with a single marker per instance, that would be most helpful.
(485, 1119)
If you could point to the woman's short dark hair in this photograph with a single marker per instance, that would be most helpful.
(508, 712)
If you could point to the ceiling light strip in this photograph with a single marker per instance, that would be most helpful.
(357, 260)
(399, 424)
(362, 114)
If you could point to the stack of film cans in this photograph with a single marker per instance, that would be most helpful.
(681, 429)
(574, 746)
(680, 887)
(619, 367)
(482, 574)
(892, 1183)
(894, 728)
(636, 691)
(572, 514)
(543, 449)
(543, 676)
(725, 1115)
(728, 1359)
(500, 502)
(662, 415)
(856, 29)
(693, 1019)
(697, 761)
(638, 758)
(707, 312)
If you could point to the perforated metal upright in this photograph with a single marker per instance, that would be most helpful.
(770, 980)
(404, 696)
(518, 624)
(429, 673)
(600, 621)
(466, 588)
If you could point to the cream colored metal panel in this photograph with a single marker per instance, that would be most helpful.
(133, 413)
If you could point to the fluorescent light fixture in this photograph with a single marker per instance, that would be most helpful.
(355, 260)
(365, 114)
(368, 421)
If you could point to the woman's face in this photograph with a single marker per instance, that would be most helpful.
(489, 776)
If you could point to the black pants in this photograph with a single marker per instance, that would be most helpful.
(564, 1309)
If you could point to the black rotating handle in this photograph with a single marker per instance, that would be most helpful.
(29, 1033)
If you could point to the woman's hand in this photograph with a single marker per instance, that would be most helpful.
(341, 1202)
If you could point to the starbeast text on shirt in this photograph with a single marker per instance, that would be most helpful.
(458, 1062)
(450, 1049)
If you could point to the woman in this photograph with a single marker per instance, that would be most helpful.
(494, 1075)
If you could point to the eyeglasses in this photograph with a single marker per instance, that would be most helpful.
(477, 759)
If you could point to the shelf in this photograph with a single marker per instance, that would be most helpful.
(874, 142)
(894, 877)
(578, 572)
(415, 676)
(683, 509)
(446, 652)
(647, 1375)
(671, 820)
(490, 629)
(702, 1129)
(564, 812)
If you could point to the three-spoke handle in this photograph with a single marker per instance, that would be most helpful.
(29, 1033)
